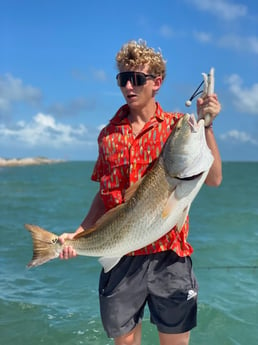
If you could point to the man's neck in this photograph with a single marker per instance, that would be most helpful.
(142, 115)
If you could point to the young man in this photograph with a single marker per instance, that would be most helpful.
(161, 274)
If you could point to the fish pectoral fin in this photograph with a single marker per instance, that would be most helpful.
(108, 262)
(182, 219)
(170, 205)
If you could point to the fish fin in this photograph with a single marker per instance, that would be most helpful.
(86, 232)
(44, 245)
(182, 219)
(132, 189)
(172, 200)
(107, 217)
(109, 262)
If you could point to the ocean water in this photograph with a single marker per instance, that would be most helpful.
(57, 303)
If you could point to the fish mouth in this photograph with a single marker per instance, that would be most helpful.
(194, 125)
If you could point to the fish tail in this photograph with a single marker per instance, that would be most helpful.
(45, 245)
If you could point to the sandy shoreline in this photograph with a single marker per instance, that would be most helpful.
(12, 162)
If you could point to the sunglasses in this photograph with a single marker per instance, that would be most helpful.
(135, 78)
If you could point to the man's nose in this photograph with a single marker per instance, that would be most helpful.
(128, 84)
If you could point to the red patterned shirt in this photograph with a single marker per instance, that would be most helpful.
(124, 159)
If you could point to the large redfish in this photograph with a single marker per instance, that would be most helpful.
(160, 201)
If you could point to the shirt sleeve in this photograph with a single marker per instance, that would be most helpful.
(98, 170)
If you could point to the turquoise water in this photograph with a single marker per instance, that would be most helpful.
(58, 303)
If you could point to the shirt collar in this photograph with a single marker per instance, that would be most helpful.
(121, 115)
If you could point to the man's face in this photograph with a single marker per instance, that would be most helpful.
(138, 96)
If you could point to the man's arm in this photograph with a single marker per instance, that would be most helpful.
(214, 176)
(210, 105)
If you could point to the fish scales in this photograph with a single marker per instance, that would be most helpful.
(130, 225)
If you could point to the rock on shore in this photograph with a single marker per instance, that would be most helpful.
(27, 161)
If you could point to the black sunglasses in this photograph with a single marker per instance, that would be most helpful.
(135, 78)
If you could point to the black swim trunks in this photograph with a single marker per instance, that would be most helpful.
(164, 281)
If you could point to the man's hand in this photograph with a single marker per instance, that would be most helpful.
(208, 105)
(68, 252)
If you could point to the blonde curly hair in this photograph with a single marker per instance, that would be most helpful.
(137, 54)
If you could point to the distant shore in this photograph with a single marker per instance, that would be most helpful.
(12, 162)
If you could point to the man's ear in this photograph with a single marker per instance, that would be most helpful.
(157, 83)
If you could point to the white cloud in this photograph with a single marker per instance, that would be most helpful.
(253, 43)
(13, 90)
(166, 31)
(246, 44)
(203, 37)
(43, 130)
(238, 136)
(96, 74)
(245, 99)
(223, 9)
(99, 74)
(100, 127)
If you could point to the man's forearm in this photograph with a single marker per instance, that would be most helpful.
(214, 177)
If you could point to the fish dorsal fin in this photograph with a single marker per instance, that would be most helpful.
(107, 217)
(132, 189)
(85, 232)
(110, 214)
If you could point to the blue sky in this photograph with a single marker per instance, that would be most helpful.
(57, 69)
